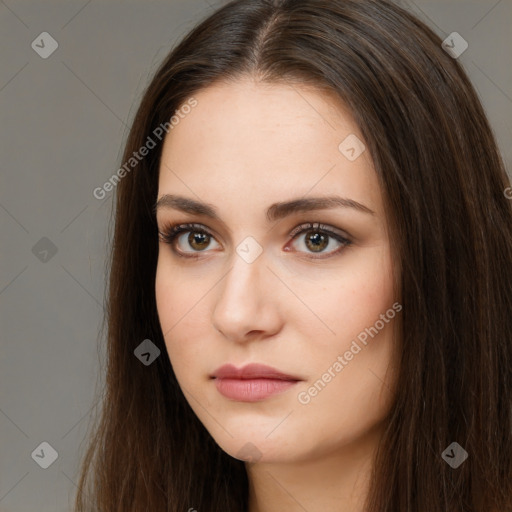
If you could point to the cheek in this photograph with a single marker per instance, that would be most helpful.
(178, 299)
(165, 293)
(178, 307)
(350, 301)
(358, 307)
(368, 295)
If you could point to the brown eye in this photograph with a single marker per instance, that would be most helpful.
(198, 239)
(317, 239)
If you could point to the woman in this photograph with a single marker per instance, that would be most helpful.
(310, 294)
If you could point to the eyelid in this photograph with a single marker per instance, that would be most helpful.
(170, 227)
(170, 230)
(319, 226)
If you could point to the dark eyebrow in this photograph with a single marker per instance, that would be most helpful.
(275, 211)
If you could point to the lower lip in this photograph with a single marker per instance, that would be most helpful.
(252, 390)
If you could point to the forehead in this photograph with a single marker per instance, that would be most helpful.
(247, 113)
(251, 141)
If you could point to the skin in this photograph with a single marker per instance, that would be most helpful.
(245, 146)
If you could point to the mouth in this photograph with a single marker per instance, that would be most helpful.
(251, 383)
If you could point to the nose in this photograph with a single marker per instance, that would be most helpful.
(246, 305)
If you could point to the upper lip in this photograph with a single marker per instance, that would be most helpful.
(251, 371)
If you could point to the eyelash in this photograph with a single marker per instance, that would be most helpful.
(171, 231)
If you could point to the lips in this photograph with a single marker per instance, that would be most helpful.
(251, 383)
(251, 371)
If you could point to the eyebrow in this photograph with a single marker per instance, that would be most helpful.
(275, 212)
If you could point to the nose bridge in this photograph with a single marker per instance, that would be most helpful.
(243, 295)
(243, 281)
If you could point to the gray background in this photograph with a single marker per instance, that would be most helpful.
(64, 121)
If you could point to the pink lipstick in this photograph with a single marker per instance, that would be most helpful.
(252, 382)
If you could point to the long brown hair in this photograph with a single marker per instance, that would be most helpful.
(443, 182)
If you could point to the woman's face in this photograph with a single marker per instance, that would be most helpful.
(316, 304)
